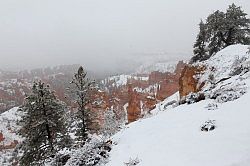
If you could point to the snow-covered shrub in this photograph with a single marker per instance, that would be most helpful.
(237, 66)
(236, 70)
(132, 161)
(194, 97)
(228, 95)
(172, 103)
(212, 106)
(211, 78)
(62, 159)
(208, 125)
(246, 66)
(94, 153)
(111, 124)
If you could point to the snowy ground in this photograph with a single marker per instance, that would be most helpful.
(9, 128)
(173, 137)
(8, 125)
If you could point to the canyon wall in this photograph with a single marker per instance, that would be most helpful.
(139, 95)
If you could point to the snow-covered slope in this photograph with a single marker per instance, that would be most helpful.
(8, 124)
(9, 128)
(174, 137)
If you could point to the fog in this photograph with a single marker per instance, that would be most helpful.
(102, 35)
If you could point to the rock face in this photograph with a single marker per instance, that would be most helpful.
(1, 137)
(11, 145)
(189, 80)
(139, 95)
(134, 105)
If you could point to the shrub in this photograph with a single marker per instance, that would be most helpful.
(172, 103)
(194, 97)
(132, 162)
(212, 106)
(229, 95)
(208, 125)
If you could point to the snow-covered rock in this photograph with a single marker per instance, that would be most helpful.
(120, 80)
(9, 127)
(158, 66)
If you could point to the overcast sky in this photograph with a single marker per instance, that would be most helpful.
(100, 34)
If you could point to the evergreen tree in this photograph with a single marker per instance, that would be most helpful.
(44, 127)
(237, 26)
(215, 24)
(82, 87)
(200, 52)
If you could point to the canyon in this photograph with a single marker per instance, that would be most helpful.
(132, 95)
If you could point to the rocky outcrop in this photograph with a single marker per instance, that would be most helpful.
(1, 137)
(189, 80)
(134, 106)
(11, 145)
(140, 95)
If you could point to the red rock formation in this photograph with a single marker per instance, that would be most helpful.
(149, 104)
(12, 145)
(156, 77)
(188, 82)
(134, 108)
(168, 84)
(1, 137)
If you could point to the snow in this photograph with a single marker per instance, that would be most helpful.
(163, 67)
(9, 128)
(8, 119)
(174, 137)
(123, 79)
(149, 89)
(223, 62)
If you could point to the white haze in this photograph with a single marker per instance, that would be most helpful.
(102, 35)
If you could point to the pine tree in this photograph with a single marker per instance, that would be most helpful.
(215, 25)
(200, 52)
(237, 26)
(44, 127)
(82, 87)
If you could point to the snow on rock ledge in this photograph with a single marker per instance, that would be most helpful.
(228, 63)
